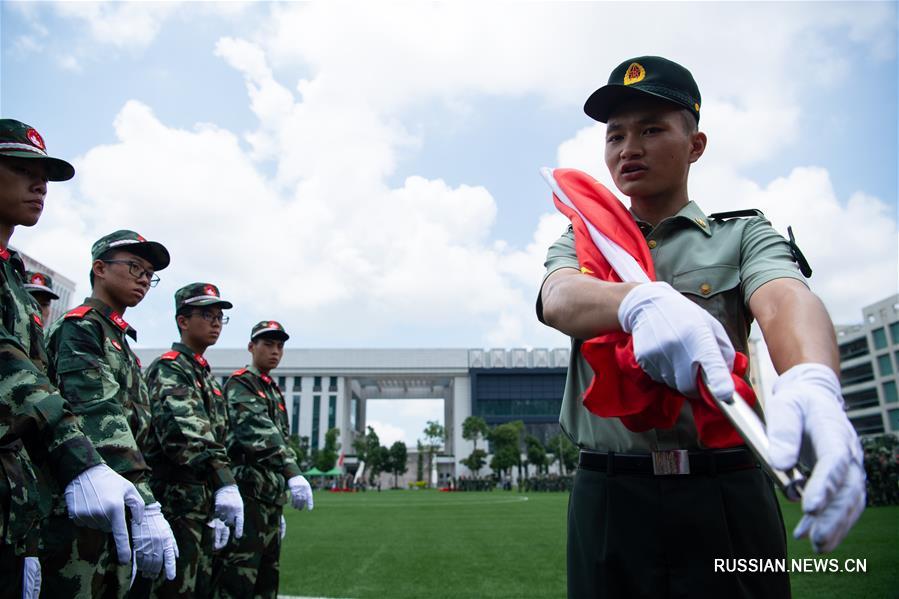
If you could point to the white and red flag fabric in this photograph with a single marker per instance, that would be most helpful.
(610, 246)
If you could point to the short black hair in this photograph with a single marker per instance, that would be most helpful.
(186, 311)
(107, 255)
(691, 125)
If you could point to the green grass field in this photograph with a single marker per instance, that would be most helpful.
(417, 544)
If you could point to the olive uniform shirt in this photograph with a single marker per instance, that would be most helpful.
(36, 424)
(99, 374)
(257, 437)
(718, 264)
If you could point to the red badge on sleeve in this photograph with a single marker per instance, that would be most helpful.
(37, 319)
(78, 312)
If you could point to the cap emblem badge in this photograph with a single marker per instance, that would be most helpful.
(210, 290)
(35, 138)
(634, 73)
(37, 279)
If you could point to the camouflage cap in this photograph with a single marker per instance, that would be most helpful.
(642, 76)
(269, 328)
(38, 282)
(200, 294)
(153, 251)
(18, 140)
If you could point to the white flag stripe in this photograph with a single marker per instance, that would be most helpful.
(625, 265)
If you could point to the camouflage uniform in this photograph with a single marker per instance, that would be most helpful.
(257, 445)
(186, 450)
(36, 426)
(95, 368)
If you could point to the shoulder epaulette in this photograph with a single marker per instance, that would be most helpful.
(78, 312)
(737, 214)
(239, 372)
(170, 355)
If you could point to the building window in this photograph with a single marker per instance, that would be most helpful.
(297, 384)
(894, 419)
(854, 349)
(865, 398)
(295, 416)
(857, 374)
(894, 333)
(282, 382)
(332, 412)
(317, 384)
(880, 338)
(354, 405)
(884, 364)
(332, 384)
(316, 418)
(889, 392)
(868, 425)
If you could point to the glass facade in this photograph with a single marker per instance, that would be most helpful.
(889, 392)
(854, 349)
(865, 398)
(533, 396)
(316, 418)
(332, 412)
(868, 425)
(880, 338)
(894, 420)
(857, 374)
(295, 415)
(885, 365)
(894, 333)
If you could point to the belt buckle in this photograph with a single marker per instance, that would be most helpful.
(670, 461)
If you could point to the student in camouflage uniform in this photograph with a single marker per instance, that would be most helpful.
(40, 286)
(40, 441)
(96, 370)
(186, 448)
(265, 467)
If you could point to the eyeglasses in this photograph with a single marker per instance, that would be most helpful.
(210, 317)
(137, 271)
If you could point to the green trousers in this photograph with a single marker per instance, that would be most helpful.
(650, 536)
(80, 562)
(248, 568)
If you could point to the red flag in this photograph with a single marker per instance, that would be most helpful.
(620, 388)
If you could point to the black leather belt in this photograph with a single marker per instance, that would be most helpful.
(670, 462)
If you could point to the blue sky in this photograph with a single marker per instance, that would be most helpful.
(277, 196)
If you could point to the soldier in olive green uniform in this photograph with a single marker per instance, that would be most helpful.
(265, 467)
(40, 286)
(96, 370)
(192, 475)
(635, 527)
(41, 442)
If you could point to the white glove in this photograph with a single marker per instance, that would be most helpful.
(154, 544)
(31, 578)
(673, 337)
(283, 527)
(229, 508)
(222, 533)
(807, 399)
(300, 492)
(97, 497)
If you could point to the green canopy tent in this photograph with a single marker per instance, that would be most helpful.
(314, 472)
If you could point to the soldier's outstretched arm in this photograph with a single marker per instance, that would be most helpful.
(807, 402)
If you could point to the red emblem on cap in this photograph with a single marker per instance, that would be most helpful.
(141, 238)
(274, 324)
(37, 319)
(35, 138)
(211, 290)
(37, 279)
(116, 344)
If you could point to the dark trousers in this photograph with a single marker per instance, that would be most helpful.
(649, 536)
(11, 570)
(249, 567)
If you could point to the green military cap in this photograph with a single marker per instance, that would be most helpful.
(269, 328)
(642, 76)
(200, 294)
(153, 251)
(18, 140)
(38, 282)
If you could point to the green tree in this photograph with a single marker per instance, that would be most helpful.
(300, 446)
(536, 454)
(475, 461)
(564, 451)
(398, 455)
(326, 458)
(420, 460)
(504, 440)
(435, 435)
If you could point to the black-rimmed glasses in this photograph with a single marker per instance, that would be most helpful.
(137, 271)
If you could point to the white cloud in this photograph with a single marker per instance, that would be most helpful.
(388, 434)
(121, 24)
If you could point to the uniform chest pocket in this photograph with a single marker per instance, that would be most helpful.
(717, 289)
